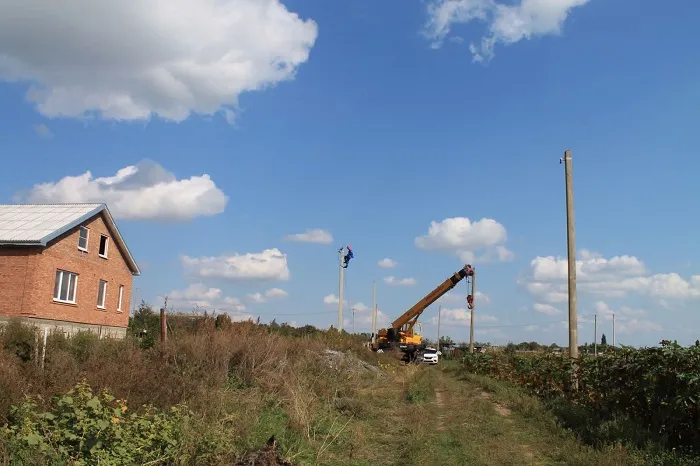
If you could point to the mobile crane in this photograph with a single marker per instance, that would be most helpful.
(402, 333)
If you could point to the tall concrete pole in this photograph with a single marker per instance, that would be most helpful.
(471, 320)
(374, 314)
(571, 244)
(340, 291)
(595, 335)
(438, 339)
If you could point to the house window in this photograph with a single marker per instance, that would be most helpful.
(65, 287)
(83, 239)
(101, 294)
(119, 302)
(104, 246)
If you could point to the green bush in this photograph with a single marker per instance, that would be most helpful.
(87, 429)
(656, 389)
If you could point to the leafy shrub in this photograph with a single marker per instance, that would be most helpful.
(86, 429)
(657, 389)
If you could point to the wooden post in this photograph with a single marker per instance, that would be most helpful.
(43, 348)
(163, 327)
(36, 348)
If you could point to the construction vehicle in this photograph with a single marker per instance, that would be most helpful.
(402, 333)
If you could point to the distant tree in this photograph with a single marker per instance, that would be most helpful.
(603, 340)
(446, 340)
(697, 342)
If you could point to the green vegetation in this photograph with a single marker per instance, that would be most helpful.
(222, 392)
(645, 399)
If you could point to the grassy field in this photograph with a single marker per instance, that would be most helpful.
(239, 385)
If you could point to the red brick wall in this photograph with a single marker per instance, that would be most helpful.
(16, 271)
(63, 253)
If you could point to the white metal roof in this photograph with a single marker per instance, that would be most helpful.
(37, 224)
(30, 223)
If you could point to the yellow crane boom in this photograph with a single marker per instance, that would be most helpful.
(402, 329)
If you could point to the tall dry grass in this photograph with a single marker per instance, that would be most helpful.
(242, 381)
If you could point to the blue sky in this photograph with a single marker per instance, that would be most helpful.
(237, 123)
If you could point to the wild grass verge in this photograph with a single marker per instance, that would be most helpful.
(238, 383)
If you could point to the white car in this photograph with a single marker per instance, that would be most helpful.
(430, 356)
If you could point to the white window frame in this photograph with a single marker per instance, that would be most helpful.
(87, 238)
(121, 295)
(66, 273)
(104, 294)
(104, 256)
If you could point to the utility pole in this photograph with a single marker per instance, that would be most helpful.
(353, 320)
(613, 330)
(374, 314)
(471, 320)
(340, 292)
(571, 245)
(439, 312)
(595, 335)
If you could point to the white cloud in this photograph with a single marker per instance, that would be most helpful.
(387, 263)
(276, 293)
(393, 281)
(627, 320)
(315, 235)
(546, 309)
(333, 299)
(198, 296)
(453, 297)
(614, 278)
(131, 59)
(270, 264)
(360, 307)
(272, 293)
(43, 131)
(507, 23)
(461, 236)
(145, 191)
(363, 321)
(461, 316)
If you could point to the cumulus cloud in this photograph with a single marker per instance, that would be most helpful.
(270, 264)
(131, 59)
(315, 235)
(360, 307)
(507, 22)
(461, 316)
(272, 293)
(393, 281)
(333, 299)
(199, 297)
(146, 191)
(546, 309)
(627, 320)
(614, 277)
(461, 236)
(454, 297)
(387, 263)
(43, 131)
(363, 320)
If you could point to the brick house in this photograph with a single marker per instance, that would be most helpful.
(65, 266)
